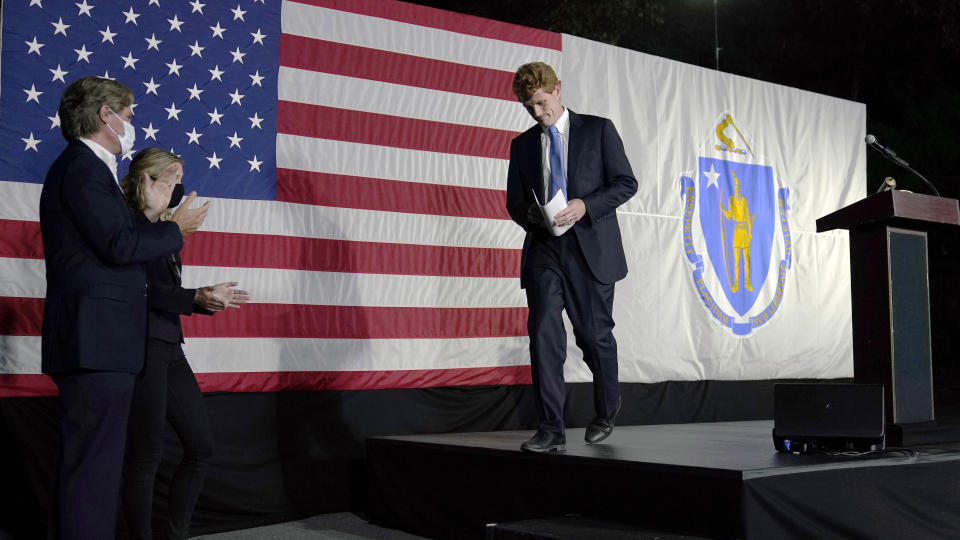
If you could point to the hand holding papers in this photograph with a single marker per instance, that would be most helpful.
(550, 210)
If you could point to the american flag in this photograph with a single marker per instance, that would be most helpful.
(355, 152)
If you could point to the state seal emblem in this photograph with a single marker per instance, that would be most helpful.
(736, 232)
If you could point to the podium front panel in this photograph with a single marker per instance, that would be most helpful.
(910, 317)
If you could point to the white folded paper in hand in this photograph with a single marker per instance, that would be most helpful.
(551, 209)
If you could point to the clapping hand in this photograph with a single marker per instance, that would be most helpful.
(221, 296)
(190, 219)
(156, 194)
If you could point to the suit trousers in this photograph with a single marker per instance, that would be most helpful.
(560, 280)
(93, 427)
(166, 389)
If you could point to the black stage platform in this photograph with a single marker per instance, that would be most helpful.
(716, 480)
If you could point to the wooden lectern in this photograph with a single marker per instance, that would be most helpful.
(891, 304)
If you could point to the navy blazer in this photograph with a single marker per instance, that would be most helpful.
(598, 173)
(95, 314)
(168, 299)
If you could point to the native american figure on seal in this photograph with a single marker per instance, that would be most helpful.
(738, 212)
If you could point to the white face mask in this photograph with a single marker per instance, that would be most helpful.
(128, 137)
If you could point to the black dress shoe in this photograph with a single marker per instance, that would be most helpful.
(600, 428)
(597, 430)
(544, 441)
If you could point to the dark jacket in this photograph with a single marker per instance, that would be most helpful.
(598, 173)
(95, 314)
(168, 300)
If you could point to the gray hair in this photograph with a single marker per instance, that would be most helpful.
(81, 103)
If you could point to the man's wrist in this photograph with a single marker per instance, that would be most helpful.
(200, 295)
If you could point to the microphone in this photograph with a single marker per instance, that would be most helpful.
(892, 156)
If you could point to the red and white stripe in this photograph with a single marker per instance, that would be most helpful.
(388, 259)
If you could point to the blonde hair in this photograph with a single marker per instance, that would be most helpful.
(152, 162)
(532, 77)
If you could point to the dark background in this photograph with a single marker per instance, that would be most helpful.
(899, 57)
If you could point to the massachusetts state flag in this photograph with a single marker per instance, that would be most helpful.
(355, 153)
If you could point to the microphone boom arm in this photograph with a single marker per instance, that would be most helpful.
(889, 154)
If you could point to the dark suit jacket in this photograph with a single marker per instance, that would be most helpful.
(598, 173)
(95, 315)
(168, 299)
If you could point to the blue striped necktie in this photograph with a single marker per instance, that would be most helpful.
(558, 179)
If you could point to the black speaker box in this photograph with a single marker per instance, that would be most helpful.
(828, 417)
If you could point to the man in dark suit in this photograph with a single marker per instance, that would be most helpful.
(582, 157)
(95, 314)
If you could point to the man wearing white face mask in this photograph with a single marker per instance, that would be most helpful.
(129, 134)
(95, 314)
